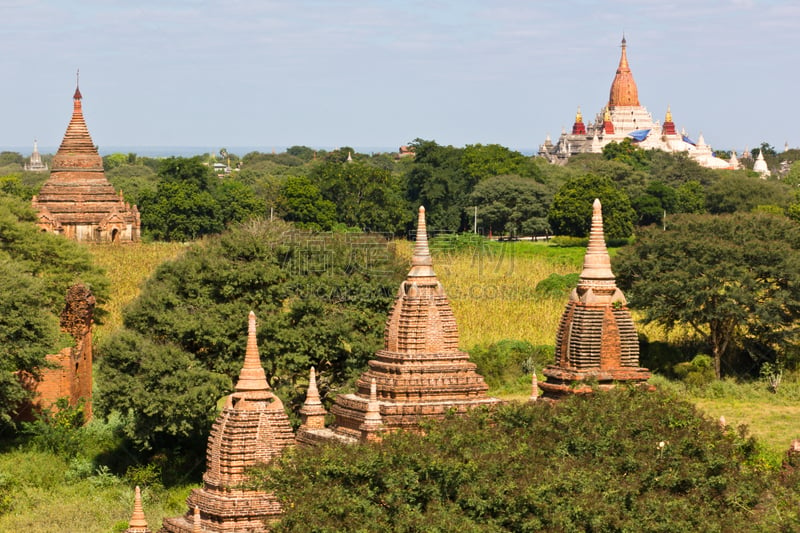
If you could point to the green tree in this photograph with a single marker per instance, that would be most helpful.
(189, 201)
(436, 181)
(731, 280)
(511, 204)
(690, 198)
(301, 201)
(571, 210)
(736, 191)
(485, 161)
(365, 196)
(320, 300)
(627, 152)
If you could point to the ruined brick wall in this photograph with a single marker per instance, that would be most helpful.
(72, 376)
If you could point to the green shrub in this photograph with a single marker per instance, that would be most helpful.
(698, 372)
(58, 430)
(507, 365)
(556, 285)
(623, 460)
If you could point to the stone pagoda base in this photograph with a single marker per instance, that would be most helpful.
(562, 382)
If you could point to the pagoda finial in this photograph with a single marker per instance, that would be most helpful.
(77, 95)
(421, 260)
(196, 521)
(313, 412)
(252, 376)
(668, 118)
(596, 262)
(606, 115)
(578, 115)
(137, 524)
(534, 387)
(372, 418)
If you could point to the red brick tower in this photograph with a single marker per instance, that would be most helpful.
(252, 428)
(420, 373)
(596, 340)
(669, 126)
(579, 128)
(77, 200)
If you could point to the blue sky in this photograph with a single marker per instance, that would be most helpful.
(266, 74)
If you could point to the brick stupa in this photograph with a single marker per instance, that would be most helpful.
(596, 343)
(252, 428)
(138, 523)
(420, 373)
(77, 200)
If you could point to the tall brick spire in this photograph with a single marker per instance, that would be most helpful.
(420, 373)
(252, 428)
(596, 339)
(77, 200)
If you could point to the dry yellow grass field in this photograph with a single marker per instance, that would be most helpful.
(128, 266)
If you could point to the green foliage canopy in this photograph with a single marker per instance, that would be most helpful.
(733, 280)
(618, 461)
(320, 300)
(571, 211)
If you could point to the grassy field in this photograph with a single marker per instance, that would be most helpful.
(493, 298)
(127, 267)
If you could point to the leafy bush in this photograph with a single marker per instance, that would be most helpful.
(624, 460)
(508, 364)
(58, 430)
(698, 372)
(556, 285)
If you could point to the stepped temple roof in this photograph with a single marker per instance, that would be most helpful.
(252, 428)
(596, 339)
(77, 200)
(420, 373)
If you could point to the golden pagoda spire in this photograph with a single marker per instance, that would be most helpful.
(606, 115)
(668, 118)
(623, 88)
(252, 376)
(578, 115)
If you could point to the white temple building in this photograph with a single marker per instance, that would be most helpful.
(35, 163)
(625, 118)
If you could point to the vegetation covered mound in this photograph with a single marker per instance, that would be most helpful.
(625, 460)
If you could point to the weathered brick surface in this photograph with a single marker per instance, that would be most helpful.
(77, 201)
(252, 428)
(420, 373)
(71, 378)
(596, 342)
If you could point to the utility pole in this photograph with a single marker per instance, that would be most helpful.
(475, 221)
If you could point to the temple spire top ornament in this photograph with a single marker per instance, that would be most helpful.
(421, 260)
(252, 377)
(623, 88)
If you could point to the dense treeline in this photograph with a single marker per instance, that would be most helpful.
(486, 187)
(625, 460)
